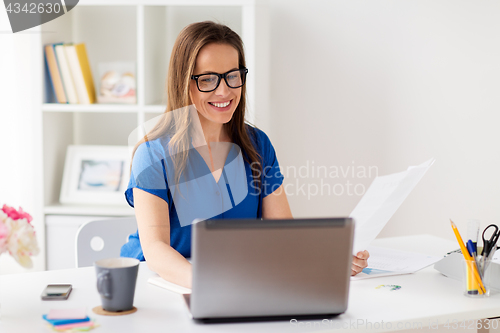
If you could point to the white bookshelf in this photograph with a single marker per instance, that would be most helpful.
(142, 32)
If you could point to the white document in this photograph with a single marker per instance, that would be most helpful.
(158, 281)
(385, 262)
(380, 202)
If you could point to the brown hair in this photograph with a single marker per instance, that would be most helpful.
(182, 63)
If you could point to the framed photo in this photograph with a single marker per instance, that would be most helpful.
(95, 175)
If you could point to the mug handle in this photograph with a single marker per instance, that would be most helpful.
(104, 284)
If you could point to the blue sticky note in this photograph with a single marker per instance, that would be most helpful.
(65, 321)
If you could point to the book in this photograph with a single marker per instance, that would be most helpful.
(67, 79)
(54, 73)
(59, 69)
(49, 92)
(80, 70)
(160, 282)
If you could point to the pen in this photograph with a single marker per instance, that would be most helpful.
(470, 248)
(467, 257)
(473, 232)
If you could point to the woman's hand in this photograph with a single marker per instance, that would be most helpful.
(153, 222)
(359, 261)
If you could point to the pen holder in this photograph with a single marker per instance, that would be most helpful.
(476, 277)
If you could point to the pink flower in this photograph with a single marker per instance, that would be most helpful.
(22, 242)
(17, 235)
(16, 215)
(4, 236)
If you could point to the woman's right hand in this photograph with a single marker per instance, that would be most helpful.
(153, 222)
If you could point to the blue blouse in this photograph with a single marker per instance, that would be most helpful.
(201, 196)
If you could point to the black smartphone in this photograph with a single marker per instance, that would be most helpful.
(56, 292)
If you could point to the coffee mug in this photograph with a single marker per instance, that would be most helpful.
(116, 279)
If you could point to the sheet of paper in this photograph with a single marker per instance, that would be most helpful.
(158, 281)
(380, 202)
(385, 262)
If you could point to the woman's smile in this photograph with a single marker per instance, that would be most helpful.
(221, 106)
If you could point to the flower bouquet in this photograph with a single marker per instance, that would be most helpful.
(17, 235)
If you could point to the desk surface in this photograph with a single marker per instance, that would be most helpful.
(426, 297)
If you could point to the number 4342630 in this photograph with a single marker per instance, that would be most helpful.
(34, 8)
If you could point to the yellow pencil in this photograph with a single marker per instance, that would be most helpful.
(468, 258)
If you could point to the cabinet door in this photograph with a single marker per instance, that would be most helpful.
(61, 238)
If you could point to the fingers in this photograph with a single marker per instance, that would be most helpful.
(363, 254)
(359, 261)
(356, 268)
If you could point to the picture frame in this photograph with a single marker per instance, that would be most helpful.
(95, 175)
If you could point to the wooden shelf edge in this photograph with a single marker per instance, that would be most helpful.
(89, 210)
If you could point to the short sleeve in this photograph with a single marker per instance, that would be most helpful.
(149, 172)
(272, 178)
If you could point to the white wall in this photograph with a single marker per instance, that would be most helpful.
(391, 84)
(19, 150)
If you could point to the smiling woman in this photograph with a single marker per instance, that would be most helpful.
(201, 160)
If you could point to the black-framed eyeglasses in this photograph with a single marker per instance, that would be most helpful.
(209, 82)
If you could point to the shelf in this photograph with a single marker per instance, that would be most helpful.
(154, 108)
(116, 108)
(89, 210)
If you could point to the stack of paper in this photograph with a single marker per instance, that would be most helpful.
(69, 320)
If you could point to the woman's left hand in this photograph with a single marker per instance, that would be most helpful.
(359, 261)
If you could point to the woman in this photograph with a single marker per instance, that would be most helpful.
(201, 157)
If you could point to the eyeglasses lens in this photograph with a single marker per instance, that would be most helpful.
(207, 82)
(234, 79)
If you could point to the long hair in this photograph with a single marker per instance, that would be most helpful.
(182, 63)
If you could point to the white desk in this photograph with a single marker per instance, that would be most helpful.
(425, 298)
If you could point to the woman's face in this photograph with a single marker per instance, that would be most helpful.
(219, 105)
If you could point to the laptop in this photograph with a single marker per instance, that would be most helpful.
(253, 270)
